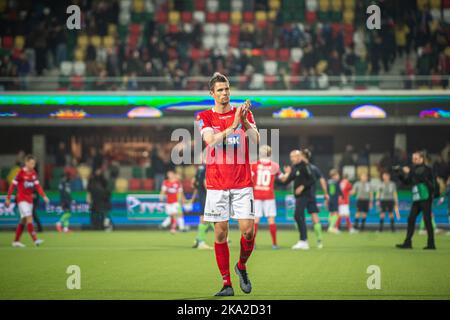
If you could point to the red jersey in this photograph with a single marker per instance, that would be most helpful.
(264, 173)
(346, 188)
(26, 182)
(227, 164)
(172, 188)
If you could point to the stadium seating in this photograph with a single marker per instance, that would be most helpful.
(3, 185)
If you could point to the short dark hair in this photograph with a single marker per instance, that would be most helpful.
(307, 153)
(29, 157)
(217, 77)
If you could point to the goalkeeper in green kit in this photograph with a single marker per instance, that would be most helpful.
(421, 177)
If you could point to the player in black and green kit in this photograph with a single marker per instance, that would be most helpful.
(334, 192)
(200, 193)
(421, 177)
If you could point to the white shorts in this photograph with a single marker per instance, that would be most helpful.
(266, 208)
(25, 209)
(235, 203)
(344, 210)
(172, 209)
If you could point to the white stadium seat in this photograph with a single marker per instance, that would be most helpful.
(199, 16)
(270, 68)
(296, 54)
(212, 5)
(66, 68)
(79, 68)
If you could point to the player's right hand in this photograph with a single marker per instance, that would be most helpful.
(287, 169)
(7, 203)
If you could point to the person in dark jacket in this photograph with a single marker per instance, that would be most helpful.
(65, 198)
(301, 173)
(421, 177)
(100, 195)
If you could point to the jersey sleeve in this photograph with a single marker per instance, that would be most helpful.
(203, 123)
(14, 184)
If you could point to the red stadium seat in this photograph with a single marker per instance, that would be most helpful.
(162, 17)
(271, 54)
(134, 184)
(173, 54)
(235, 29)
(270, 81)
(311, 17)
(77, 82)
(335, 29)
(196, 54)
(249, 16)
(211, 17)
(296, 68)
(224, 17)
(234, 41)
(284, 54)
(148, 184)
(200, 5)
(7, 42)
(173, 28)
(261, 24)
(186, 17)
(134, 29)
(3, 185)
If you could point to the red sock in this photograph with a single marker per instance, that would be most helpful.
(19, 231)
(273, 233)
(338, 222)
(31, 231)
(246, 251)
(173, 223)
(349, 223)
(223, 261)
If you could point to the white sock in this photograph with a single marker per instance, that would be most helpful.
(166, 222)
(180, 222)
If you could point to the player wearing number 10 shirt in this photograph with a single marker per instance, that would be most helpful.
(264, 173)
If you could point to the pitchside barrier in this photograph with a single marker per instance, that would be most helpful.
(145, 209)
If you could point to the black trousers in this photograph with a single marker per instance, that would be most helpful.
(418, 207)
(36, 217)
(300, 206)
(97, 218)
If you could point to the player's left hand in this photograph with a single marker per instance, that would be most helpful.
(245, 110)
(299, 190)
(46, 200)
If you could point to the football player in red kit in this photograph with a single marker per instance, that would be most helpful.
(264, 173)
(26, 181)
(224, 129)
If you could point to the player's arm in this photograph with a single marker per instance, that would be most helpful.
(11, 188)
(195, 192)
(286, 177)
(162, 193)
(41, 192)
(396, 209)
(181, 196)
(212, 138)
(248, 123)
(324, 186)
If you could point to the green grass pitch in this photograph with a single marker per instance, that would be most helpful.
(158, 265)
